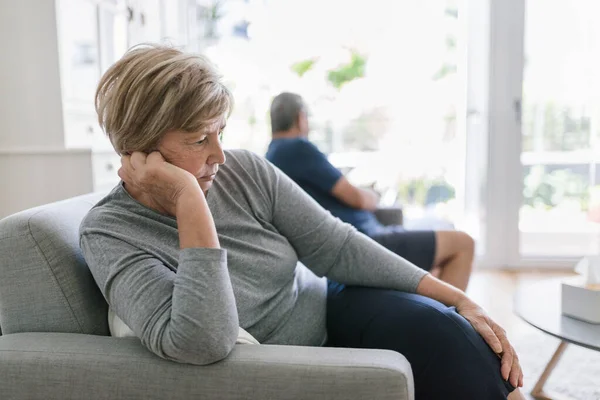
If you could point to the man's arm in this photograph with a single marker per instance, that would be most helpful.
(355, 197)
(311, 165)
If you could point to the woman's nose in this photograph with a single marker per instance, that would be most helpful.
(217, 155)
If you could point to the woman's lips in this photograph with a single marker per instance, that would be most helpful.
(207, 178)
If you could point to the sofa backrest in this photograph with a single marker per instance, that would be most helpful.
(45, 284)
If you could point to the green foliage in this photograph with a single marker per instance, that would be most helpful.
(348, 72)
(215, 10)
(444, 71)
(212, 14)
(561, 128)
(448, 67)
(364, 132)
(547, 190)
(425, 191)
(302, 67)
(450, 42)
(451, 11)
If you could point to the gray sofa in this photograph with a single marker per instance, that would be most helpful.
(56, 344)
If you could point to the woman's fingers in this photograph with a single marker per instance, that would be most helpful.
(521, 377)
(488, 334)
(496, 338)
(507, 363)
(138, 159)
(125, 167)
(511, 368)
(155, 156)
(507, 353)
(125, 177)
(516, 374)
(126, 163)
(126, 172)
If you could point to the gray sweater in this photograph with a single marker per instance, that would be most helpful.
(186, 305)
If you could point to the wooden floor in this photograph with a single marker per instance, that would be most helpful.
(494, 290)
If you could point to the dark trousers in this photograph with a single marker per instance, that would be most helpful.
(448, 358)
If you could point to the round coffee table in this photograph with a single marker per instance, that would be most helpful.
(539, 305)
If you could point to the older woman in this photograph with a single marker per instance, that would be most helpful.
(196, 242)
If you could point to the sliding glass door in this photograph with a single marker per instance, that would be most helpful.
(481, 113)
(560, 211)
(541, 192)
(383, 81)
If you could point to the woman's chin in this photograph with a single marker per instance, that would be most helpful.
(205, 185)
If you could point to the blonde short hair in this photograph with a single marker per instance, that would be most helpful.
(154, 89)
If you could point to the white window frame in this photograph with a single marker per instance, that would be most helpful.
(494, 181)
(493, 189)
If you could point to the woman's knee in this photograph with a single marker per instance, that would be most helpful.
(414, 321)
(442, 347)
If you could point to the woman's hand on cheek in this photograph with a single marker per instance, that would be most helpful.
(162, 181)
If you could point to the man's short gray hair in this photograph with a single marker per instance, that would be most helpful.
(285, 109)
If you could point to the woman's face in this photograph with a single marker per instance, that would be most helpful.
(198, 153)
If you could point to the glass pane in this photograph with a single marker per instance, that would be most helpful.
(381, 106)
(113, 32)
(79, 44)
(560, 211)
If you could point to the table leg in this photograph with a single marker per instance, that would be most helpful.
(538, 390)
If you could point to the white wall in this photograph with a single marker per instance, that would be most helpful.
(31, 179)
(35, 166)
(30, 95)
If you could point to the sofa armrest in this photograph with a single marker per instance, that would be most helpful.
(55, 366)
(390, 215)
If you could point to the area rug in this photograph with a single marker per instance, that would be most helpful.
(577, 375)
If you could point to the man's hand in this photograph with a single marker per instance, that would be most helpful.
(353, 196)
(372, 199)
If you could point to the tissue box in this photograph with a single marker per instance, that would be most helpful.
(581, 301)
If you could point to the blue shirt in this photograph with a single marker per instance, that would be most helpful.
(309, 168)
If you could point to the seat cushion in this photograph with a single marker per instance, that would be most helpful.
(45, 284)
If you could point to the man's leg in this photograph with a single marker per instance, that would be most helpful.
(448, 255)
(453, 262)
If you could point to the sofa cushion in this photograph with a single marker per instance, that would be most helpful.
(45, 284)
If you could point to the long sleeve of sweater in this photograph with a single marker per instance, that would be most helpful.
(188, 315)
(326, 245)
(187, 305)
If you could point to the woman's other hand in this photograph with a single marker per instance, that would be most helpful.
(495, 337)
(491, 332)
(158, 179)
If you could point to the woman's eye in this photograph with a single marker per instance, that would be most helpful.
(201, 141)
(221, 136)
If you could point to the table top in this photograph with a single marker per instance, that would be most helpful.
(539, 304)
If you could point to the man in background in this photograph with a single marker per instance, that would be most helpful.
(448, 255)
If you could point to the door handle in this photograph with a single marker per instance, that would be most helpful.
(518, 107)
